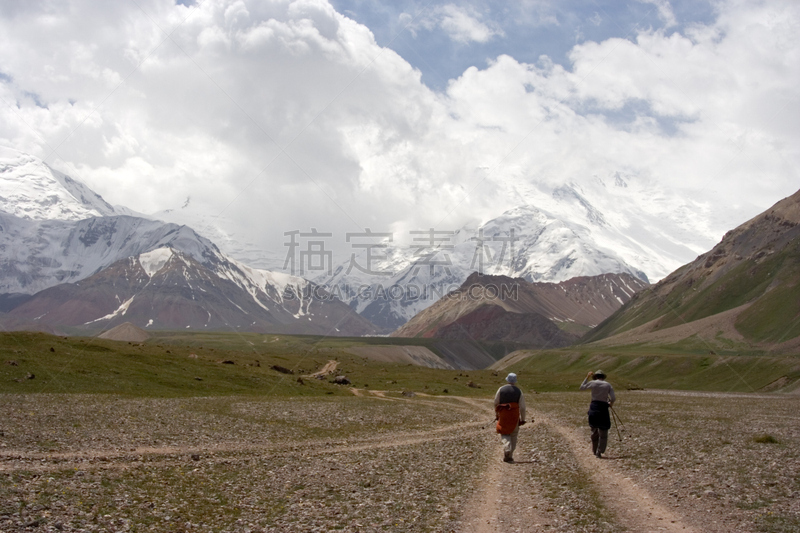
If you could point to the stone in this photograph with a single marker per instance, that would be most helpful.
(282, 369)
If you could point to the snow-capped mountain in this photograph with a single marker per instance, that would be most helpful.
(55, 231)
(31, 189)
(525, 242)
(37, 254)
(167, 289)
(220, 229)
(648, 227)
(617, 225)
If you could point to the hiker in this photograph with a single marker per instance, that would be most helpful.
(599, 420)
(509, 409)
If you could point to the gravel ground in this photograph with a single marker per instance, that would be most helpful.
(101, 463)
(723, 462)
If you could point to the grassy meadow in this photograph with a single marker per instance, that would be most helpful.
(198, 432)
(213, 364)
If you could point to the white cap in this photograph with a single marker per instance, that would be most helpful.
(511, 378)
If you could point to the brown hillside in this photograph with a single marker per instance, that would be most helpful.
(504, 308)
(755, 269)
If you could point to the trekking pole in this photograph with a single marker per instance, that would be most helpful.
(617, 417)
(616, 424)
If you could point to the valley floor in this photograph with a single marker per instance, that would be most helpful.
(384, 462)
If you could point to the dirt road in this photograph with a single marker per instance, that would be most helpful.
(379, 461)
(507, 502)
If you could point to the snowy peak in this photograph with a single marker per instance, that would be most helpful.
(30, 189)
(41, 253)
(569, 195)
(167, 289)
(536, 245)
(525, 242)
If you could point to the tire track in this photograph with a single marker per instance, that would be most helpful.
(635, 508)
(14, 461)
(500, 504)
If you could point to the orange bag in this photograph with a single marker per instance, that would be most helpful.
(507, 417)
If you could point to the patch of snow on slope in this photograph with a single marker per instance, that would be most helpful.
(255, 281)
(121, 310)
(154, 261)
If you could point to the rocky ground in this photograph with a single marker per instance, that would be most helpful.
(687, 462)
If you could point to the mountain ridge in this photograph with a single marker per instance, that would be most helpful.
(493, 308)
(752, 274)
(167, 289)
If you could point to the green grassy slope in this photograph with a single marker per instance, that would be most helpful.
(165, 366)
(758, 263)
(635, 367)
(775, 317)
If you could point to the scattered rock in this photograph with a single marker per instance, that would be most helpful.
(341, 380)
(445, 391)
(195, 457)
(30, 376)
(52, 349)
(192, 356)
(227, 362)
(408, 394)
(197, 378)
(473, 385)
(300, 381)
(12, 363)
(282, 369)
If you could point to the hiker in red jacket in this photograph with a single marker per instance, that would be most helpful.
(509, 408)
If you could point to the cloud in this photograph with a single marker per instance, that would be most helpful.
(463, 26)
(288, 115)
(664, 11)
(461, 23)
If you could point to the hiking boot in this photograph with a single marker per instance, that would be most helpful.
(598, 455)
(508, 459)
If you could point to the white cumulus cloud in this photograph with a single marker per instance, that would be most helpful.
(463, 24)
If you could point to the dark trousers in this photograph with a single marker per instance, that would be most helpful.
(599, 440)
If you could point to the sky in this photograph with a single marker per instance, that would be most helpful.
(282, 115)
